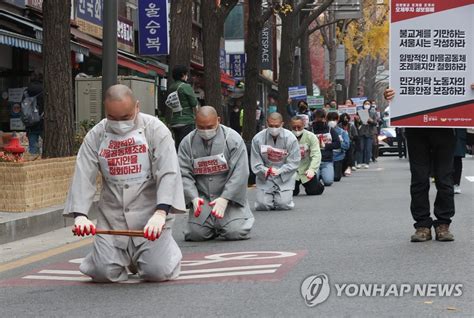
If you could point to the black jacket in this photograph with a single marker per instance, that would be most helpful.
(320, 128)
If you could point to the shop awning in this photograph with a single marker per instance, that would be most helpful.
(19, 41)
(123, 58)
(27, 43)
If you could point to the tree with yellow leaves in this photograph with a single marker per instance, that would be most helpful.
(366, 43)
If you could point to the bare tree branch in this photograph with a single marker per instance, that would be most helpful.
(313, 16)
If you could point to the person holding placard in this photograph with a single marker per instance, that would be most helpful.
(428, 146)
(367, 130)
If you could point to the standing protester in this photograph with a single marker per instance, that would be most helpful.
(272, 102)
(275, 157)
(307, 173)
(305, 114)
(328, 141)
(339, 154)
(234, 118)
(32, 112)
(426, 145)
(182, 101)
(378, 123)
(348, 162)
(135, 155)
(459, 153)
(367, 130)
(401, 142)
(214, 163)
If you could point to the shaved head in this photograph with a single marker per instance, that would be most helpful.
(120, 103)
(207, 118)
(275, 120)
(206, 111)
(119, 92)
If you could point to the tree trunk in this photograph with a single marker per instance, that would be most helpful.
(57, 69)
(287, 60)
(306, 69)
(180, 33)
(354, 80)
(370, 76)
(254, 26)
(213, 19)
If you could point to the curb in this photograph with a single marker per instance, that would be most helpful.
(19, 226)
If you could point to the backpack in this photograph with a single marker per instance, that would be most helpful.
(173, 102)
(30, 115)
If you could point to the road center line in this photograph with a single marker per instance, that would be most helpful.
(213, 275)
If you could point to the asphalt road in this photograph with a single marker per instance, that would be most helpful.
(357, 232)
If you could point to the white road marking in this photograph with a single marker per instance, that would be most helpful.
(228, 269)
(59, 272)
(64, 278)
(470, 178)
(244, 273)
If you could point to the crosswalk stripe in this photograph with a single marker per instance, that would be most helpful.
(470, 178)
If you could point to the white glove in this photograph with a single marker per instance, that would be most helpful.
(309, 174)
(83, 226)
(197, 204)
(219, 205)
(155, 225)
(275, 172)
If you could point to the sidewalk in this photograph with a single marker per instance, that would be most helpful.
(17, 226)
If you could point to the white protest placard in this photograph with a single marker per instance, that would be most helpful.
(297, 92)
(15, 95)
(432, 63)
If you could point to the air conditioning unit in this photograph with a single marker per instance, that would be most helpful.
(88, 99)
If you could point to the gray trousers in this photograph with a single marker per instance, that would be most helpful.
(235, 225)
(155, 261)
(274, 200)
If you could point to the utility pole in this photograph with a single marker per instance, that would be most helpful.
(109, 42)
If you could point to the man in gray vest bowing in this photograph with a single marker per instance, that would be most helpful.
(214, 167)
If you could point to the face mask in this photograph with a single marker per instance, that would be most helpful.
(207, 134)
(297, 133)
(332, 124)
(366, 106)
(274, 131)
(122, 127)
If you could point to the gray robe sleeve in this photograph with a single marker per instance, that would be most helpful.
(165, 169)
(256, 160)
(235, 188)
(83, 186)
(292, 161)
(186, 164)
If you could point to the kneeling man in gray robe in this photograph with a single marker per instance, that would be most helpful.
(214, 167)
(141, 189)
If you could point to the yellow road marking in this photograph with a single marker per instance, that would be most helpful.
(44, 255)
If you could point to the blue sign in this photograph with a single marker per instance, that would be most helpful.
(90, 11)
(222, 61)
(237, 65)
(297, 92)
(153, 27)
